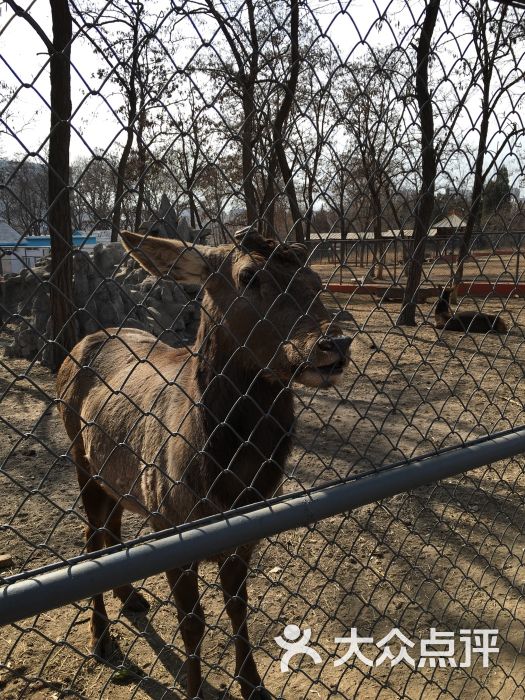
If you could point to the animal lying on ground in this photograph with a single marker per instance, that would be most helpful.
(465, 321)
(180, 434)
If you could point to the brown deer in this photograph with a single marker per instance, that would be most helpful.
(179, 434)
(465, 321)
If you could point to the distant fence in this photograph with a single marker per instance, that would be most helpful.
(348, 257)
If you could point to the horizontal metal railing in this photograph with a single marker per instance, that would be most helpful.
(35, 592)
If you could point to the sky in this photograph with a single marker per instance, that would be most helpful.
(26, 66)
(96, 125)
(24, 60)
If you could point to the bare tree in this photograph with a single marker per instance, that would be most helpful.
(94, 191)
(59, 211)
(312, 118)
(24, 197)
(493, 41)
(127, 78)
(425, 203)
(243, 44)
(375, 88)
(191, 150)
(258, 69)
(134, 63)
(278, 151)
(339, 188)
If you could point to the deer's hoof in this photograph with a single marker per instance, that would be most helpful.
(104, 647)
(135, 602)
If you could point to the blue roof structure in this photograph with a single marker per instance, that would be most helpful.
(79, 239)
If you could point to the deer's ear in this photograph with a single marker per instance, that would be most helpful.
(164, 256)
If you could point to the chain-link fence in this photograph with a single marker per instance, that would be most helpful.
(312, 346)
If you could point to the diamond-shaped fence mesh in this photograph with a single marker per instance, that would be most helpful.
(313, 346)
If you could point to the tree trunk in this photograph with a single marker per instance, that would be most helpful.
(132, 115)
(248, 137)
(194, 211)
(247, 154)
(141, 168)
(425, 204)
(289, 186)
(119, 191)
(474, 215)
(312, 179)
(281, 119)
(374, 188)
(59, 216)
(487, 59)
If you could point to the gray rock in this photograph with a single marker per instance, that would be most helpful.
(166, 292)
(192, 289)
(180, 296)
(184, 232)
(161, 318)
(105, 293)
(135, 276)
(105, 258)
(169, 217)
(147, 283)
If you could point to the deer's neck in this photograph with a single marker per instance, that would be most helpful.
(442, 311)
(247, 419)
(227, 373)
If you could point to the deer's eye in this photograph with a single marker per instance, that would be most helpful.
(248, 276)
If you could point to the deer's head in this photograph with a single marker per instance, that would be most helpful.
(261, 300)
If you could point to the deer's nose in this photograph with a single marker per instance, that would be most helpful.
(335, 343)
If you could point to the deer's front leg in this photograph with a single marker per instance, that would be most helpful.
(185, 589)
(233, 573)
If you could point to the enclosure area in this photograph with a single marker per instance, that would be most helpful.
(298, 231)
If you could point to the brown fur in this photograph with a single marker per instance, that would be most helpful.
(177, 435)
(465, 321)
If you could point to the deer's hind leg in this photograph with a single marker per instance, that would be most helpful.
(132, 600)
(100, 510)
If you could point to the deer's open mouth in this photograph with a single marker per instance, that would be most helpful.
(322, 375)
(332, 368)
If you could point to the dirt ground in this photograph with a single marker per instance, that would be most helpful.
(448, 556)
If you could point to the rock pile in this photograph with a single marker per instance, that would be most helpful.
(166, 224)
(109, 290)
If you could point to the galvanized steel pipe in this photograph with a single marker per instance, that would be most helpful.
(69, 583)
